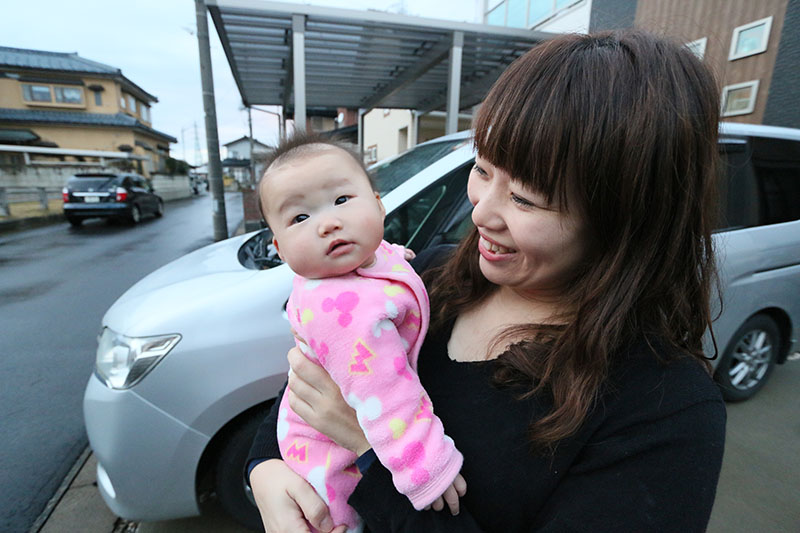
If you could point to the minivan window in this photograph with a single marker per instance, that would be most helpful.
(776, 163)
(760, 182)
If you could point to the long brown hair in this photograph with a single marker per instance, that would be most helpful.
(619, 128)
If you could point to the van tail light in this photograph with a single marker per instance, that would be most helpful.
(122, 194)
(65, 194)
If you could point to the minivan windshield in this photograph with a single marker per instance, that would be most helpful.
(393, 173)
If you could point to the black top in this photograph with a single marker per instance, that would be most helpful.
(647, 457)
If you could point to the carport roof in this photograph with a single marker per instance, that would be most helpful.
(360, 59)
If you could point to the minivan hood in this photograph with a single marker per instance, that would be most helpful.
(166, 298)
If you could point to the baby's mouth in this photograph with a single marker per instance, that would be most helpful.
(337, 244)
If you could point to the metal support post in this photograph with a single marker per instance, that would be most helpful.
(361, 115)
(454, 83)
(212, 137)
(43, 198)
(413, 133)
(4, 211)
(299, 67)
(252, 158)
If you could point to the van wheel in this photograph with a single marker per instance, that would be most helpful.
(749, 358)
(160, 209)
(232, 492)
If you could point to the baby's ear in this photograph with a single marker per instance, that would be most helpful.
(380, 203)
(277, 248)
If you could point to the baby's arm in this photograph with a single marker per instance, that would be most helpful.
(367, 358)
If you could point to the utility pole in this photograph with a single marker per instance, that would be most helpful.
(252, 155)
(212, 136)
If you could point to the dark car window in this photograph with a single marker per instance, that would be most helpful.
(760, 182)
(95, 183)
(416, 222)
(776, 163)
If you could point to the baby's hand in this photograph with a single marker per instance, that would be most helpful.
(451, 495)
(408, 254)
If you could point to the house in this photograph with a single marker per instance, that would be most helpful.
(62, 100)
(237, 158)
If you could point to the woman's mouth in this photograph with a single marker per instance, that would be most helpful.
(493, 252)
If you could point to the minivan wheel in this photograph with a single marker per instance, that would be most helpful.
(232, 492)
(160, 209)
(749, 358)
(136, 215)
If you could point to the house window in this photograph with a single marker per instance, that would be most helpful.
(698, 47)
(371, 154)
(750, 39)
(36, 93)
(122, 101)
(146, 113)
(739, 99)
(131, 103)
(69, 95)
(98, 98)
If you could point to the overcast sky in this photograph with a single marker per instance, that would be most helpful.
(153, 42)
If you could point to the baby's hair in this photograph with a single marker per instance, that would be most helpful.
(300, 144)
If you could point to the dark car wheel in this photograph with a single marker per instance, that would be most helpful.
(233, 493)
(749, 358)
(160, 208)
(136, 215)
(75, 221)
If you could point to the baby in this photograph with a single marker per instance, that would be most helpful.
(363, 313)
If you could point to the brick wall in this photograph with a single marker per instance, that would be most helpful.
(612, 14)
(783, 100)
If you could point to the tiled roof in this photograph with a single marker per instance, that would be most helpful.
(36, 116)
(23, 58)
(39, 59)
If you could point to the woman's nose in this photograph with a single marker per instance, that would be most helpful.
(484, 213)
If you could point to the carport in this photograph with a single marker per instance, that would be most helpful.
(315, 58)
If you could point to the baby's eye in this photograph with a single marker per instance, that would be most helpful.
(341, 200)
(299, 218)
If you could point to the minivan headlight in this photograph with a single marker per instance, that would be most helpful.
(123, 361)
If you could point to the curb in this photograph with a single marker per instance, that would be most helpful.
(62, 489)
(30, 222)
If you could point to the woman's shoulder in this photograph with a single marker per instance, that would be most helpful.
(652, 379)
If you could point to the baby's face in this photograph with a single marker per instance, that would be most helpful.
(324, 215)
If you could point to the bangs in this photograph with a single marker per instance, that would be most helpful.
(535, 119)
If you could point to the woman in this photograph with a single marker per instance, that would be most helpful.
(565, 352)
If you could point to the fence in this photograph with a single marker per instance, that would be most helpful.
(16, 195)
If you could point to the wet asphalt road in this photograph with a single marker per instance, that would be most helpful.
(55, 285)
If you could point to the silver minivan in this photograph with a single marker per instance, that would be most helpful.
(192, 356)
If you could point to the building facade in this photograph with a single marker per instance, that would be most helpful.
(62, 100)
(237, 158)
(752, 47)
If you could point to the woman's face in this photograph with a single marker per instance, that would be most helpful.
(524, 244)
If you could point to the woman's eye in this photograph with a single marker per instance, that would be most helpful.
(299, 218)
(522, 201)
(479, 170)
(341, 200)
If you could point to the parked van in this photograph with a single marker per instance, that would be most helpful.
(192, 356)
(759, 254)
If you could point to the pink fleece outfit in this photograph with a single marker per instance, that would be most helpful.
(366, 328)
